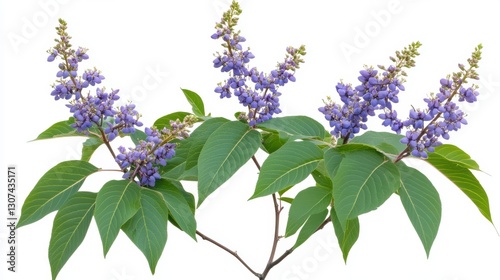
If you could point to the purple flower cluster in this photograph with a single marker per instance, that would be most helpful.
(124, 120)
(424, 127)
(91, 109)
(376, 92)
(144, 160)
(256, 90)
(69, 84)
(442, 115)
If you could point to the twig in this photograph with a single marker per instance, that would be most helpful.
(277, 212)
(234, 253)
(289, 251)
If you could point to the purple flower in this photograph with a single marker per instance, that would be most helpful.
(143, 160)
(426, 128)
(92, 77)
(93, 110)
(53, 55)
(123, 120)
(262, 98)
(376, 91)
(469, 95)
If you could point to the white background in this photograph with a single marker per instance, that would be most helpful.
(150, 49)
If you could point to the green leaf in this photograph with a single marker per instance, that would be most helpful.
(69, 229)
(199, 137)
(308, 202)
(384, 141)
(288, 166)
(176, 167)
(53, 189)
(189, 197)
(273, 141)
(456, 156)
(333, 158)
(347, 234)
(286, 199)
(64, 129)
(177, 206)
(463, 178)
(302, 127)
(89, 147)
(184, 165)
(116, 203)
(196, 102)
(165, 120)
(310, 227)
(284, 190)
(225, 151)
(137, 136)
(364, 180)
(59, 129)
(148, 227)
(321, 176)
(422, 204)
(190, 174)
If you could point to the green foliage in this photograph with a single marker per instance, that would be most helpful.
(59, 129)
(69, 229)
(116, 203)
(165, 120)
(310, 227)
(184, 166)
(422, 204)
(295, 126)
(385, 142)
(363, 180)
(455, 164)
(347, 233)
(225, 151)
(350, 177)
(288, 166)
(196, 102)
(89, 147)
(178, 206)
(307, 202)
(53, 189)
(148, 227)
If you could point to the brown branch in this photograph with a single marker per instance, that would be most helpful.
(256, 162)
(289, 251)
(271, 262)
(277, 212)
(233, 253)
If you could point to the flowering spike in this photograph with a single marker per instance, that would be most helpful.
(376, 91)
(442, 115)
(261, 99)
